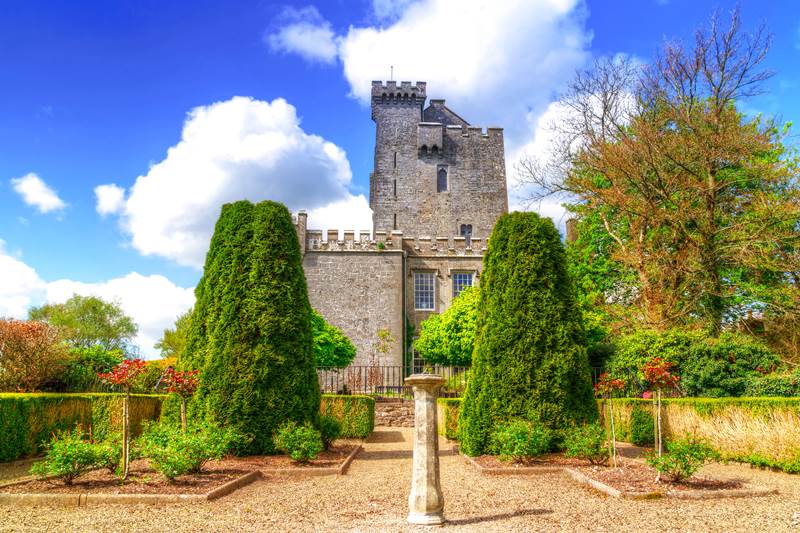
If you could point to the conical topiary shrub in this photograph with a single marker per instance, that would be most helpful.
(530, 358)
(250, 334)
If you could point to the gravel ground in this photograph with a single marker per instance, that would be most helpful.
(372, 497)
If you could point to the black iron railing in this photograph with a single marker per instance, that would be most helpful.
(387, 380)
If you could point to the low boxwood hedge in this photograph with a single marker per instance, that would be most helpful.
(27, 421)
(355, 413)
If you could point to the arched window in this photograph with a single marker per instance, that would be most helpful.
(441, 180)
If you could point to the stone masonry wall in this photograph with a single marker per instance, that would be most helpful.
(394, 413)
(360, 293)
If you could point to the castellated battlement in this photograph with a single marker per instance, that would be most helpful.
(406, 92)
(313, 240)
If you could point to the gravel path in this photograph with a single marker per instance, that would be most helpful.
(372, 497)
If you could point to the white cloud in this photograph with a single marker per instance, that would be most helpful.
(304, 32)
(35, 192)
(152, 301)
(350, 213)
(237, 149)
(20, 285)
(496, 61)
(110, 198)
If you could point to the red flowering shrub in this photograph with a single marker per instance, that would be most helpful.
(184, 384)
(607, 385)
(657, 372)
(124, 374)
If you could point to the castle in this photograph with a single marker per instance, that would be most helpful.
(437, 189)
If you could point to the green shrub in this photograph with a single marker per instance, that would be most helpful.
(775, 384)
(250, 333)
(301, 443)
(448, 417)
(109, 453)
(332, 349)
(530, 358)
(80, 372)
(683, 458)
(587, 442)
(69, 455)
(329, 430)
(709, 367)
(173, 452)
(519, 440)
(447, 339)
(355, 413)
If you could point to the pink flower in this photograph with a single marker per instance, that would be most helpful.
(647, 394)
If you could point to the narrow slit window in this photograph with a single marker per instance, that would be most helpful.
(394, 187)
(395, 221)
(441, 180)
(395, 160)
(466, 232)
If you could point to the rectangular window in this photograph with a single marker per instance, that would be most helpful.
(395, 160)
(424, 291)
(461, 280)
(394, 187)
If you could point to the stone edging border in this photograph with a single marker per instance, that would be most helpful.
(82, 500)
(313, 472)
(583, 479)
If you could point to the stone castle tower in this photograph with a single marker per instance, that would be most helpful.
(434, 173)
(437, 189)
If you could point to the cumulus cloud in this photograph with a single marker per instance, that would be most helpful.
(20, 285)
(233, 150)
(304, 32)
(350, 213)
(152, 301)
(36, 193)
(110, 198)
(496, 61)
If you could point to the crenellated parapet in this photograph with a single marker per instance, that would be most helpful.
(392, 93)
(363, 241)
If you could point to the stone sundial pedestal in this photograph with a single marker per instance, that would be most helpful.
(425, 502)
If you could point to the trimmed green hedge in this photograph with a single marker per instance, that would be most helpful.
(759, 431)
(27, 421)
(447, 413)
(355, 413)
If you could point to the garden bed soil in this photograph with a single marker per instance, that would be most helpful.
(634, 477)
(546, 460)
(631, 479)
(144, 480)
(141, 480)
(330, 458)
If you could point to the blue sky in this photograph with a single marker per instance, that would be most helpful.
(103, 96)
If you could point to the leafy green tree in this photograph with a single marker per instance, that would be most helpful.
(530, 358)
(696, 199)
(89, 321)
(173, 341)
(250, 333)
(447, 339)
(332, 349)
